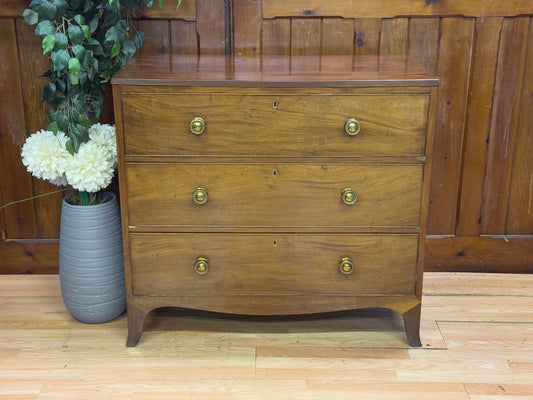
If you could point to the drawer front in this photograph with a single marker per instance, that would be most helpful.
(274, 195)
(255, 264)
(265, 125)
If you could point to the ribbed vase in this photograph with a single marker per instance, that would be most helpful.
(91, 262)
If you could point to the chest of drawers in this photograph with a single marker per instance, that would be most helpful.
(273, 185)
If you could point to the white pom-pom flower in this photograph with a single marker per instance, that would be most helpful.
(104, 135)
(91, 169)
(45, 156)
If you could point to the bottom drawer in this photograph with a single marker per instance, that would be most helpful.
(272, 264)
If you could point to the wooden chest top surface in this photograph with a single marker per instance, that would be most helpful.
(275, 71)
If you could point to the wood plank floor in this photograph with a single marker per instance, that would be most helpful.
(477, 334)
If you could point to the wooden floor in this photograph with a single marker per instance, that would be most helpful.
(477, 334)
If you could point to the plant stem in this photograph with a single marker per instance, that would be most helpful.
(33, 197)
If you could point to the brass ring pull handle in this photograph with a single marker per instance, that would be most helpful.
(201, 266)
(346, 266)
(200, 196)
(352, 126)
(197, 125)
(349, 196)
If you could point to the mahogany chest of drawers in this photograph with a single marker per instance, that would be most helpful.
(273, 185)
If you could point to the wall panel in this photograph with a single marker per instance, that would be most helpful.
(504, 124)
(455, 48)
(390, 9)
(247, 27)
(338, 36)
(19, 220)
(367, 35)
(424, 41)
(276, 37)
(157, 40)
(394, 36)
(211, 26)
(32, 64)
(183, 37)
(520, 206)
(483, 71)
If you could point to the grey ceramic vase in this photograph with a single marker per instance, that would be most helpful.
(91, 262)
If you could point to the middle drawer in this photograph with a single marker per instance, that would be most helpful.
(274, 195)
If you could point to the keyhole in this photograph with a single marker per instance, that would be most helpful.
(275, 104)
(275, 173)
(275, 243)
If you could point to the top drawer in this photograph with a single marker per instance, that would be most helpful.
(274, 125)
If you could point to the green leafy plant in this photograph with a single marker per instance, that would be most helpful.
(87, 41)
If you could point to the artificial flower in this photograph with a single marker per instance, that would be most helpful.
(91, 169)
(104, 135)
(45, 156)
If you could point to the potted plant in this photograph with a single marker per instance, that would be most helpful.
(87, 42)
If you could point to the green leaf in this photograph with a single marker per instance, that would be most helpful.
(44, 28)
(112, 35)
(90, 64)
(61, 86)
(48, 44)
(49, 91)
(53, 127)
(89, 8)
(73, 78)
(60, 60)
(72, 90)
(86, 32)
(59, 100)
(119, 64)
(79, 52)
(75, 34)
(73, 115)
(74, 66)
(62, 121)
(61, 41)
(79, 131)
(84, 81)
(115, 51)
(93, 24)
(30, 16)
(95, 46)
(70, 146)
(161, 3)
(61, 7)
(47, 11)
(129, 49)
(139, 39)
(111, 18)
(80, 19)
(106, 76)
(84, 121)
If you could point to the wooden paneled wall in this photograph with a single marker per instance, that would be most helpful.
(481, 206)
